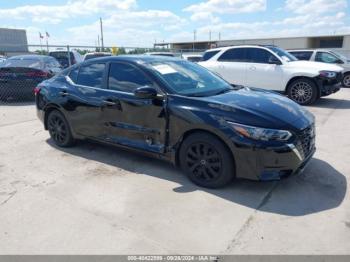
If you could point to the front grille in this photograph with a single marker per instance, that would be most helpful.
(306, 141)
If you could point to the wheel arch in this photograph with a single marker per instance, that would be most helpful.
(303, 77)
(202, 130)
(47, 110)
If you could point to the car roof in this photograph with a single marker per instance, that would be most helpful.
(31, 57)
(135, 59)
(239, 46)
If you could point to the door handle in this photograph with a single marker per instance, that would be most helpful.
(63, 93)
(109, 103)
(253, 68)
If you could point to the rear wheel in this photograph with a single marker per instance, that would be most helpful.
(346, 80)
(206, 160)
(302, 91)
(59, 129)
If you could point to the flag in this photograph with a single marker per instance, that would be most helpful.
(41, 36)
(47, 34)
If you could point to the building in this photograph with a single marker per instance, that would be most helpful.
(338, 42)
(13, 41)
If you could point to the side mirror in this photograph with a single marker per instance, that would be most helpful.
(274, 61)
(145, 92)
(339, 61)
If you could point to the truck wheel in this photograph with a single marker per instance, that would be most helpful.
(206, 160)
(302, 91)
(346, 80)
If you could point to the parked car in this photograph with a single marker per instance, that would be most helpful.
(192, 57)
(180, 112)
(272, 68)
(88, 56)
(161, 54)
(325, 56)
(62, 57)
(19, 75)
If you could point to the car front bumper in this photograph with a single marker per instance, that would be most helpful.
(268, 164)
(329, 86)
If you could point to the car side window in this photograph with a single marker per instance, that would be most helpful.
(209, 54)
(73, 74)
(91, 75)
(302, 55)
(257, 55)
(326, 58)
(234, 55)
(126, 78)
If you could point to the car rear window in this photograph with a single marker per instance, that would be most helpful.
(31, 63)
(209, 54)
(302, 55)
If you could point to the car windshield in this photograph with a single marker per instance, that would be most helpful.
(189, 79)
(342, 57)
(31, 63)
(283, 54)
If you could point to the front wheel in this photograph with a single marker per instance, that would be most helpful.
(302, 91)
(206, 160)
(346, 80)
(59, 129)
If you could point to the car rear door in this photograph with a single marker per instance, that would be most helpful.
(83, 99)
(131, 121)
(231, 65)
(260, 72)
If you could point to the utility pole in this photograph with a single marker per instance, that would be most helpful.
(98, 44)
(194, 38)
(219, 36)
(102, 45)
(209, 36)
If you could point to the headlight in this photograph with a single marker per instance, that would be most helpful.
(328, 74)
(258, 133)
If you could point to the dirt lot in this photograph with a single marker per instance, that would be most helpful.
(93, 199)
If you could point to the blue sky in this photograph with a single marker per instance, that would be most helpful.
(141, 22)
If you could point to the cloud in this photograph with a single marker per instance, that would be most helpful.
(315, 6)
(227, 6)
(55, 14)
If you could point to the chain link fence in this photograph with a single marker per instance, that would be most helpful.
(19, 77)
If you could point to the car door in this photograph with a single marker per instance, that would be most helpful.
(84, 99)
(231, 65)
(263, 69)
(131, 121)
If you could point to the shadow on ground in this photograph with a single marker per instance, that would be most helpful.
(319, 188)
(332, 103)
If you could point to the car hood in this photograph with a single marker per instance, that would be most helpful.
(315, 65)
(257, 107)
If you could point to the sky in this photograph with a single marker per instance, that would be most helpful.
(139, 23)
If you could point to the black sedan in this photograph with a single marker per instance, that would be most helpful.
(178, 111)
(19, 75)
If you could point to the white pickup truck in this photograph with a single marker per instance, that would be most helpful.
(325, 56)
(272, 68)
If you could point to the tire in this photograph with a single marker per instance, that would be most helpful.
(206, 160)
(346, 80)
(59, 129)
(302, 91)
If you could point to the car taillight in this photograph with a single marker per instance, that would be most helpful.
(37, 90)
(37, 74)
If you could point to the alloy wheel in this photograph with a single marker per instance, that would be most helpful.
(57, 129)
(204, 161)
(301, 92)
(346, 80)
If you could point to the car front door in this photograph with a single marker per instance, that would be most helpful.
(263, 69)
(231, 66)
(131, 121)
